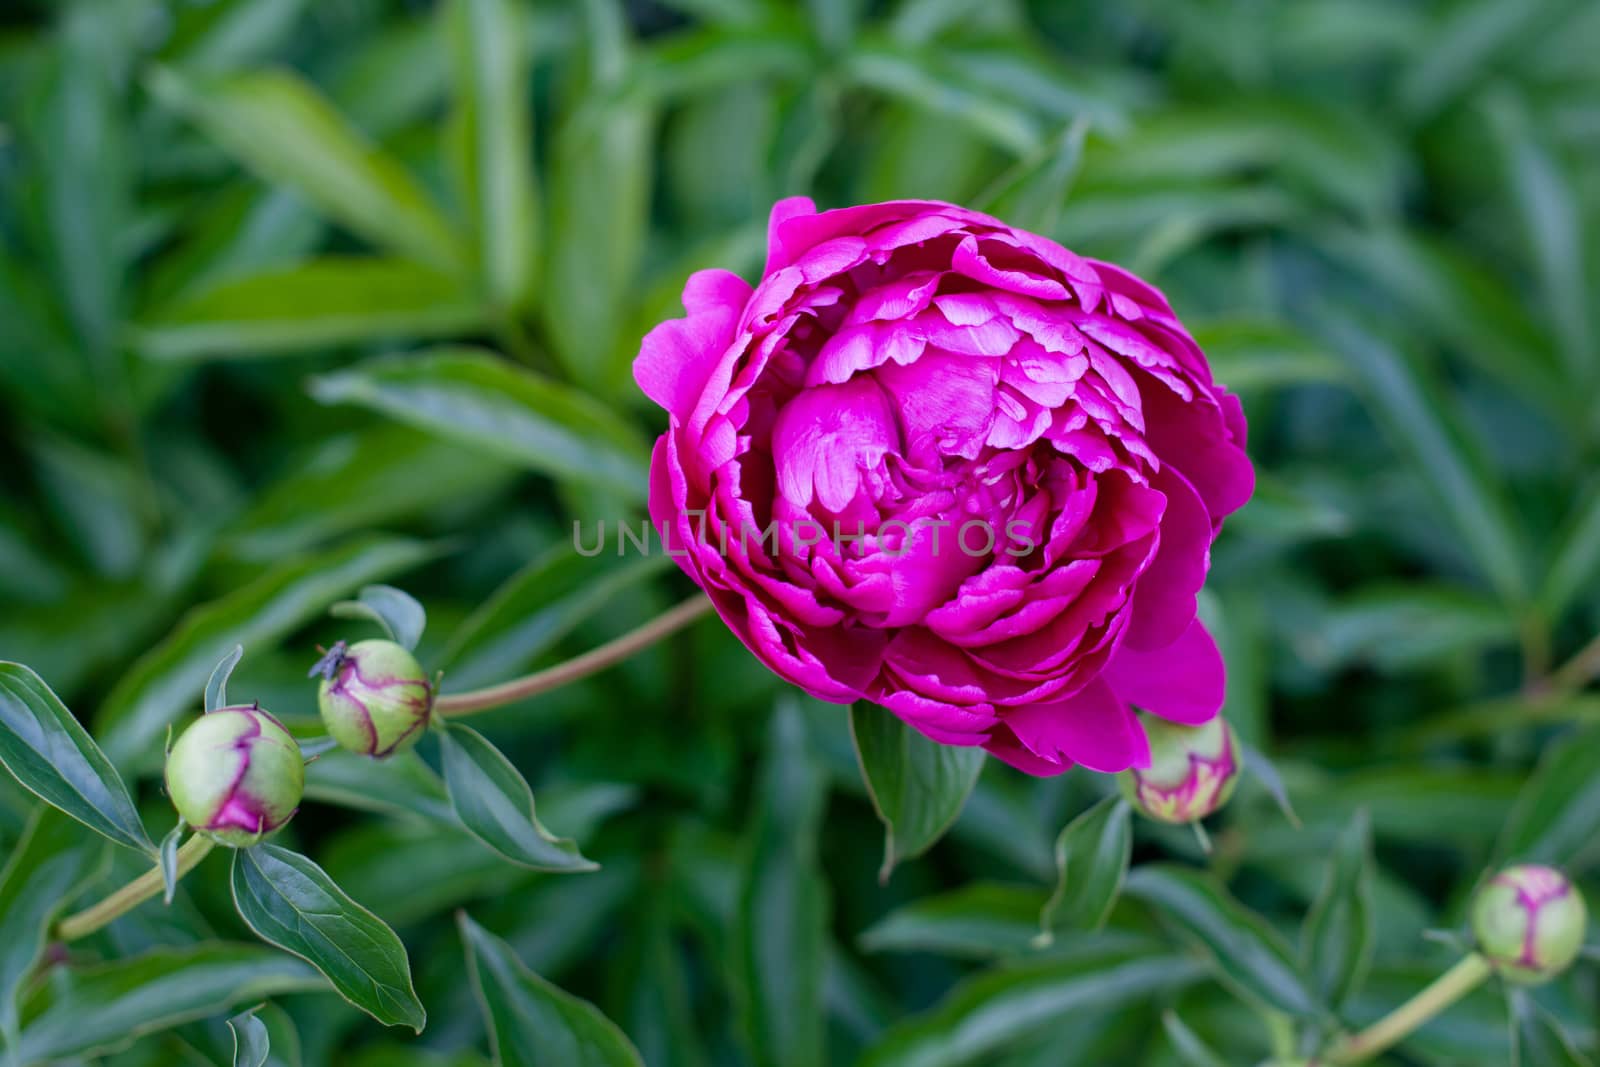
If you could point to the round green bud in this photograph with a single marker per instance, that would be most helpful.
(1193, 771)
(236, 775)
(1530, 923)
(374, 697)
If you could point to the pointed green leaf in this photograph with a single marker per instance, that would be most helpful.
(169, 862)
(1340, 930)
(292, 903)
(252, 1045)
(978, 921)
(1187, 1044)
(103, 1007)
(217, 686)
(48, 868)
(401, 617)
(1575, 560)
(491, 126)
(1247, 954)
(1266, 772)
(1553, 218)
(163, 683)
(1092, 854)
(280, 126)
(601, 167)
(494, 803)
(54, 758)
(1541, 1039)
(1556, 817)
(320, 303)
(1421, 424)
(532, 1023)
(477, 399)
(992, 1011)
(782, 909)
(918, 786)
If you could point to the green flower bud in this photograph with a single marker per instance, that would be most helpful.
(236, 775)
(374, 697)
(1192, 772)
(1530, 923)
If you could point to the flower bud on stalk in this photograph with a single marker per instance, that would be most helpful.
(1193, 771)
(1530, 923)
(236, 775)
(374, 697)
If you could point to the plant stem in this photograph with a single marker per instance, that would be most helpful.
(1448, 988)
(130, 896)
(1578, 671)
(591, 662)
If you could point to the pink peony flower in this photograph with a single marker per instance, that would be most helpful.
(951, 468)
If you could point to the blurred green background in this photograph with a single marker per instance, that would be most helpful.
(297, 296)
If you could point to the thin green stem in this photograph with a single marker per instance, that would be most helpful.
(591, 662)
(1578, 671)
(1448, 988)
(147, 885)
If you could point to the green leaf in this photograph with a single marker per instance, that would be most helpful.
(1187, 1044)
(292, 903)
(1556, 817)
(782, 909)
(401, 784)
(1092, 855)
(1266, 772)
(168, 862)
(217, 685)
(165, 680)
(49, 867)
(1401, 626)
(1552, 216)
(364, 480)
(401, 617)
(988, 1013)
(495, 804)
(532, 1023)
(1247, 954)
(472, 397)
(103, 1007)
(1031, 195)
(977, 921)
(54, 758)
(536, 607)
(252, 1045)
(278, 125)
(918, 786)
(1447, 293)
(600, 178)
(1249, 354)
(321, 303)
(1575, 561)
(1340, 930)
(920, 77)
(1541, 1039)
(491, 126)
(1421, 425)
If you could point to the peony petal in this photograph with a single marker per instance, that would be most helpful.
(1184, 682)
(677, 357)
(1164, 599)
(1094, 727)
(778, 254)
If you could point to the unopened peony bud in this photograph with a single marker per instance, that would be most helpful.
(236, 775)
(1192, 772)
(374, 697)
(1530, 923)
